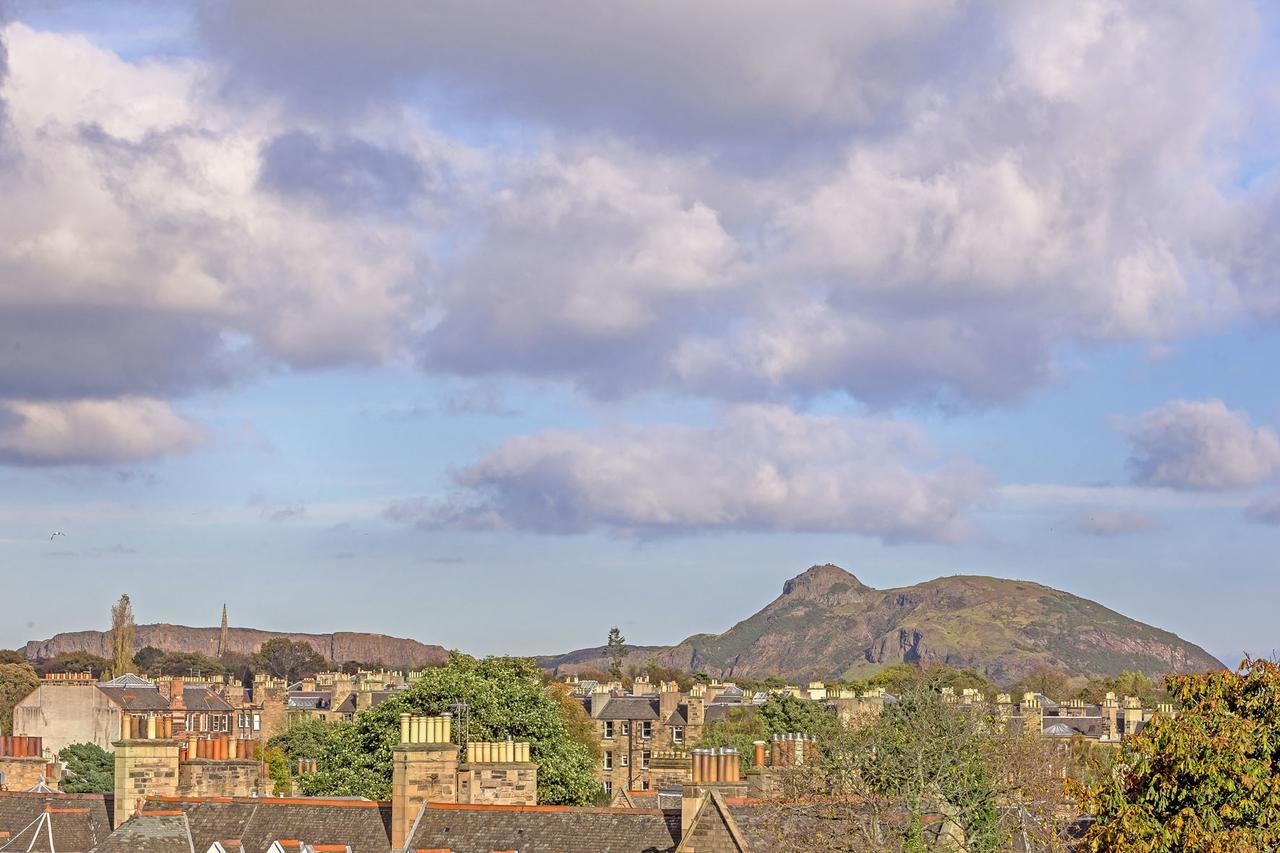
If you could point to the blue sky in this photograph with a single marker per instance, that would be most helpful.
(400, 322)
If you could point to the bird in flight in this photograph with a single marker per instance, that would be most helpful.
(56, 534)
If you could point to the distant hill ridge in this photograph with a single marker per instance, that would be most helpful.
(339, 646)
(828, 624)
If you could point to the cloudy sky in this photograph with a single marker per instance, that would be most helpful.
(497, 324)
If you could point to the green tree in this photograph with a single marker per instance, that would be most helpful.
(238, 666)
(147, 657)
(278, 771)
(615, 649)
(739, 730)
(185, 663)
(1207, 778)
(12, 656)
(90, 769)
(123, 630)
(74, 662)
(305, 737)
(1151, 691)
(785, 714)
(923, 756)
(17, 680)
(504, 697)
(283, 658)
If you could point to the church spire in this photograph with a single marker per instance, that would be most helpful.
(222, 634)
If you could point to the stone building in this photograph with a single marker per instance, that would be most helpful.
(63, 711)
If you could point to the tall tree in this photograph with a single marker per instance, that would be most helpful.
(123, 630)
(17, 680)
(1206, 778)
(283, 658)
(504, 697)
(615, 650)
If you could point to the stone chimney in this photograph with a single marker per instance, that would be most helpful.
(498, 774)
(713, 770)
(1110, 718)
(1132, 715)
(146, 764)
(424, 769)
(668, 700)
(1032, 714)
(641, 686)
(697, 711)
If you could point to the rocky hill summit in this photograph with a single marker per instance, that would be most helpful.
(827, 624)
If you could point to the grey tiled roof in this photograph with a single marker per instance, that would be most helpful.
(629, 708)
(79, 821)
(137, 698)
(544, 829)
(150, 833)
(363, 825)
(204, 699)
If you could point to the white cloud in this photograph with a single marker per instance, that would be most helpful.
(1200, 445)
(93, 431)
(756, 468)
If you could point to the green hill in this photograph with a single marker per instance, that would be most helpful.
(827, 624)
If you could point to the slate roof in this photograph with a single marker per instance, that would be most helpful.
(1087, 726)
(544, 829)
(203, 699)
(629, 708)
(256, 822)
(127, 680)
(154, 832)
(78, 821)
(137, 698)
(310, 699)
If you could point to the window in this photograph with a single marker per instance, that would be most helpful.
(257, 722)
(626, 728)
(644, 784)
(191, 722)
(644, 760)
(608, 760)
(608, 787)
(608, 729)
(219, 722)
(677, 734)
(646, 730)
(626, 759)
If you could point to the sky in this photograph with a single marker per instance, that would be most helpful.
(496, 324)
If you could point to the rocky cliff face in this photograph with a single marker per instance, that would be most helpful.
(827, 624)
(339, 647)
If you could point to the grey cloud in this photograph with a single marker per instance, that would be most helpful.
(725, 71)
(1200, 446)
(1112, 522)
(967, 213)
(757, 468)
(1264, 510)
(346, 174)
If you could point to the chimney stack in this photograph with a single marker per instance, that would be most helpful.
(424, 769)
